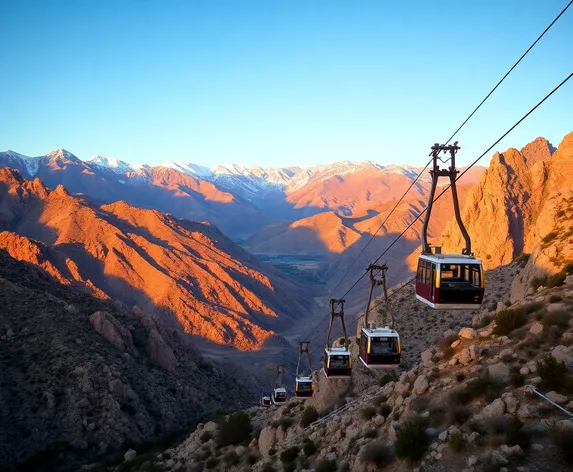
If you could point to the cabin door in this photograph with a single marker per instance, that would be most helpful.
(433, 284)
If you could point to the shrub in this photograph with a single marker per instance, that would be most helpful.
(211, 463)
(309, 416)
(377, 453)
(386, 379)
(309, 448)
(289, 455)
(460, 376)
(326, 465)
(385, 410)
(205, 436)
(563, 439)
(517, 380)
(285, 422)
(411, 441)
(485, 321)
(272, 451)
(380, 399)
(556, 318)
(552, 372)
(371, 434)
(448, 351)
(550, 237)
(368, 413)
(515, 435)
(268, 468)
(456, 442)
(555, 280)
(482, 386)
(508, 320)
(231, 457)
(532, 307)
(554, 299)
(523, 258)
(235, 429)
(459, 414)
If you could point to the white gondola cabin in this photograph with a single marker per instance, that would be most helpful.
(265, 400)
(450, 281)
(303, 387)
(279, 396)
(380, 348)
(337, 362)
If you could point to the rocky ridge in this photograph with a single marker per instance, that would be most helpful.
(465, 406)
(85, 378)
(187, 273)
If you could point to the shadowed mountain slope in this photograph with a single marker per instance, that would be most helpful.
(188, 273)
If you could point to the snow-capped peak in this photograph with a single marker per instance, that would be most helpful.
(115, 165)
(62, 153)
(189, 168)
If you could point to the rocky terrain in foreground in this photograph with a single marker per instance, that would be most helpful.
(466, 406)
(84, 379)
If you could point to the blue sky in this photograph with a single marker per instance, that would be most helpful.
(277, 83)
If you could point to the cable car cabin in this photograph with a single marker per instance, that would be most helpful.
(380, 347)
(279, 396)
(265, 400)
(450, 281)
(337, 362)
(303, 387)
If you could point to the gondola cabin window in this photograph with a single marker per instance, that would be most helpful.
(384, 345)
(425, 269)
(339, 362)
(456, 275)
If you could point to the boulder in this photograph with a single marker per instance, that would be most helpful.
(266, 441)
(427, 355)
(449, 333)
(467, 333)
(557, 398)
(565, 425)
(569, 280)
(510, 402)
(494, 410)
(527, 412)
(112, 330)
(456, 343)
(421, 385)
(129, 455)
(159, 351)
(561, 354)
(536, 328)
(560, 306)
(499, 372)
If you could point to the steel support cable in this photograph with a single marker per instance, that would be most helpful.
(474, 163)
(451, 137)
(466, 170)
(364, 248)
(510, 70)
(458, 130)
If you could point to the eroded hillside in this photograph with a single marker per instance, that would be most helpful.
(187, 273)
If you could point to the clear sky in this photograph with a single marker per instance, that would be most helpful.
(277, 82)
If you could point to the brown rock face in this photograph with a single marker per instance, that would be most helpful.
(502, 210)
(112, 330)
(179, 270)
(160, 351)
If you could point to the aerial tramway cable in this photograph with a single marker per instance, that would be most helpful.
(468, 168)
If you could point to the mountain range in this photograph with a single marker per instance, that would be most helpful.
(239, 200)
(186, 273)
